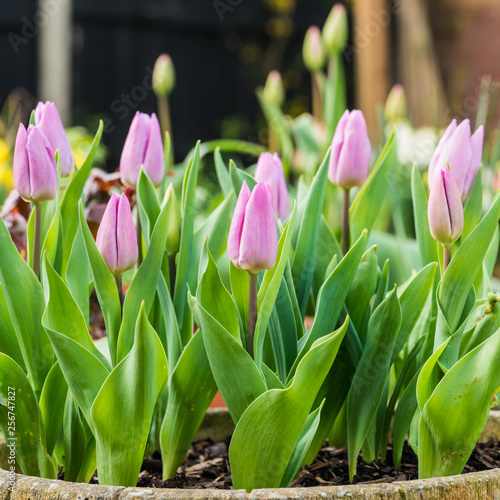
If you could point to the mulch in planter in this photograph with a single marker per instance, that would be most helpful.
(207, 466)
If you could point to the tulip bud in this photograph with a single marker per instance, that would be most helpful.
(174, 223)
(35, 170)
(312, 50)
(445, 212)
(253, 240)
(335, 30)
(395, 106)
(143, 147)
(48, 120)
(270, 171)
(351, 151)
(273, 89)
(116, 237)
(462, 152)
(163, 76)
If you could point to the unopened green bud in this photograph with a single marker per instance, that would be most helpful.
(336, 29)
(163, 76)
(174, 223)
(312, 50)
(273, 89)
(395, 106)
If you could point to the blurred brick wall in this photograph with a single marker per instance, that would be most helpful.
(467, 37)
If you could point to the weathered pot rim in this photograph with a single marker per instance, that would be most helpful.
(475, 485)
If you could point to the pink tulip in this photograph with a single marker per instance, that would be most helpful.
(270, 170)
(462, 152)
(143, 147)
(49, 121)
(35, 171)
(445, 212)
(253, 239)
(116, 237)
(351, 151)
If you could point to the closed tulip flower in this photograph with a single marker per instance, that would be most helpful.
(35, 171)
(446, 215)
(143, 147)
(462, 152)
(270, 171)
(116, 237)
(312, 50)
(49, 121)
(351, 151)
(253, 239)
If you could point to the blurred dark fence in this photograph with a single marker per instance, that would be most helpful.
(221, 49)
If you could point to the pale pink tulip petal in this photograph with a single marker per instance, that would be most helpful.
(233, 243)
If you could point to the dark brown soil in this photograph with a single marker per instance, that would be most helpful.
(207, 466)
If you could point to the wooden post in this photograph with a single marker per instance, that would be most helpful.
(55, 54)
(371, 55)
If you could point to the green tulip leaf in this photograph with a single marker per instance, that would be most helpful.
(426, 243)
(8, 338)
(25, 303)
(149, 206)
(268, 432)
(22, 421)
(365, 208)
(105, 287)
(371, 373)
(222, 173)
(307, 238)
(239, 176)
(474, 206)
(123, 410)
(75, 440)
(456, 412)
(191, 389)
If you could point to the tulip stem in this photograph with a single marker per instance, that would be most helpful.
(252, 310)
(166, 122)
(446, 257)
(119, 285)
(37, 241)
(345, 222)
(172, 272)
(139, 237)
(317, 104)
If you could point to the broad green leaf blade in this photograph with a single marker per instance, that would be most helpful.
(63, 315)
(105, 287)
(474, 206)
(307, 240)
(8, 338)
(456, 413)
(464, 266)
(21, 405)
(25, 302)
(426, 243)
(130, 392)
(270, 286)
(238, 177)
(78, 274)
(234, 371)
(72, 195)
(149, 206)
(369, 380)
(186, 244)
(413, 300)
(332, 296)
(214, 229)
(268, 432)
(365, 208)
(239, 288)
(143, 286)
(52, 246)
(191, 389)
(75, 440)
(222, 173)
(52, 403)
(305, 440)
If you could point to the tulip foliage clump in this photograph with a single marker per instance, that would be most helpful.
(196, 301)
